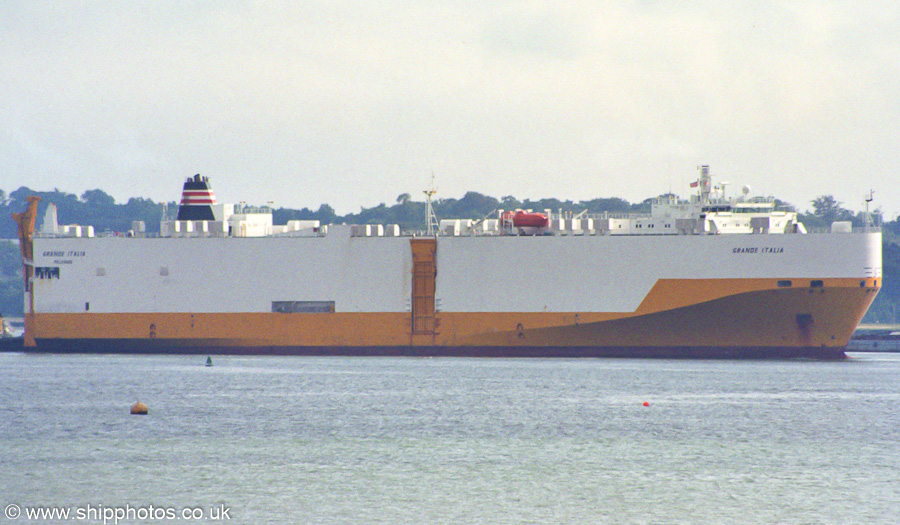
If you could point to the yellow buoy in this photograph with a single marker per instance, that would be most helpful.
(139, 408)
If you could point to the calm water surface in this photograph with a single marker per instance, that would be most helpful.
(403, 440)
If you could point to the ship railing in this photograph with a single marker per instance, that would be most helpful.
(129, 235)
(44, 235)
(855, 229)
(595, 216)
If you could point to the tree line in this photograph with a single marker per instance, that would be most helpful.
(98, 209)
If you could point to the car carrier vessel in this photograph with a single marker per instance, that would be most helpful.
(704, 277)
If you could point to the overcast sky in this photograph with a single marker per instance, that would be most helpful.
(352, 103)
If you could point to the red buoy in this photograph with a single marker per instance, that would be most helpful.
(646, 403)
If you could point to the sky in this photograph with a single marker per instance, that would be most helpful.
(353, 103)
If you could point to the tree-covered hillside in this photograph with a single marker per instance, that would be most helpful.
(12, 286)
(94, 208)
(98, 209)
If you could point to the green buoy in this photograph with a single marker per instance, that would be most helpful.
(208, 361)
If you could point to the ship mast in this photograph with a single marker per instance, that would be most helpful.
(431, 222)
(869, 198)
(704, 185)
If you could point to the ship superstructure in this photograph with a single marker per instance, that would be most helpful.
(701, 277)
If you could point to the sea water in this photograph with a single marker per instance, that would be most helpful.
(451, 440)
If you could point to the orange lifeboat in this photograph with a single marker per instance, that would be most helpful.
(523, 219)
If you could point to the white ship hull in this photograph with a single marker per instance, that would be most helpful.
(678, 295)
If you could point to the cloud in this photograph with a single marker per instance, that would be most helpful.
(351, 103)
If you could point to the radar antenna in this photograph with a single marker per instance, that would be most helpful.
(722, 186)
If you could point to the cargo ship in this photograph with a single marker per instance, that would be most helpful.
(702, 277)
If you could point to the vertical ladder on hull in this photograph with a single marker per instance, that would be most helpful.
(424, 317)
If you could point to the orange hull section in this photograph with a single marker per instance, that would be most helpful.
(677, 314)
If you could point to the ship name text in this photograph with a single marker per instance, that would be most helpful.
(757, 249)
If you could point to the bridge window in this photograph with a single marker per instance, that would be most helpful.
(46, 272)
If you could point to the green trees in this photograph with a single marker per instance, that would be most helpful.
(99, 209)
(95, 208)
(826, 210)
(12, 286)
(97, 199)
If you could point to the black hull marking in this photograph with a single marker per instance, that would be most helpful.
(193, 347)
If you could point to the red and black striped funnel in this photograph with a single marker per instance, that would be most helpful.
(197, 199)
